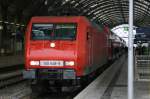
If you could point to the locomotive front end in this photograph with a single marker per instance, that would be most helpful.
(51, 51)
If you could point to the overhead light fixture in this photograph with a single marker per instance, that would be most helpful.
(1, 27)
(66, 0)
(12, 23)
(46, 2)
(6, 22)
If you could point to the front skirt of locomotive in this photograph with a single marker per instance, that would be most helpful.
(49, 74)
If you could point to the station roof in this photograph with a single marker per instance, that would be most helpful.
(111, 12)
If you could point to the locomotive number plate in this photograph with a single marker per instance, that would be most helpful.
(51, 63)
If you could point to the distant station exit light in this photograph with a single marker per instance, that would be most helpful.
(126, 29)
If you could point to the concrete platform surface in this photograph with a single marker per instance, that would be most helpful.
(114, 87)
(141, 88)
(6, 61)
(98, 87)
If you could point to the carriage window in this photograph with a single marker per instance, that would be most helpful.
(65, 31)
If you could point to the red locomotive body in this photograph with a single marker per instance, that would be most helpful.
(64, 48)
(65, 43)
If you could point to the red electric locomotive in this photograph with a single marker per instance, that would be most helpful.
(64, 49)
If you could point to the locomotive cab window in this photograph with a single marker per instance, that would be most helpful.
(62, 31)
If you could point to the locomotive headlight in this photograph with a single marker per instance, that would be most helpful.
(34, 63)
(52, 45)
(69, 63)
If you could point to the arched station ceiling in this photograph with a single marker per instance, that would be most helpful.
(111, 12)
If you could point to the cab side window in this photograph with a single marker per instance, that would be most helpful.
(88, 35)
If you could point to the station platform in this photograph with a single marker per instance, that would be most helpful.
(112, 84)
(6, 61)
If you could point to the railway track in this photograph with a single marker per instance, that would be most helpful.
(12, 84)
(68, 93)
(56, 95)
(11, 75)
(15, 91)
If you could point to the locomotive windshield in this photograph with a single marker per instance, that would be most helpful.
(65, 31)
